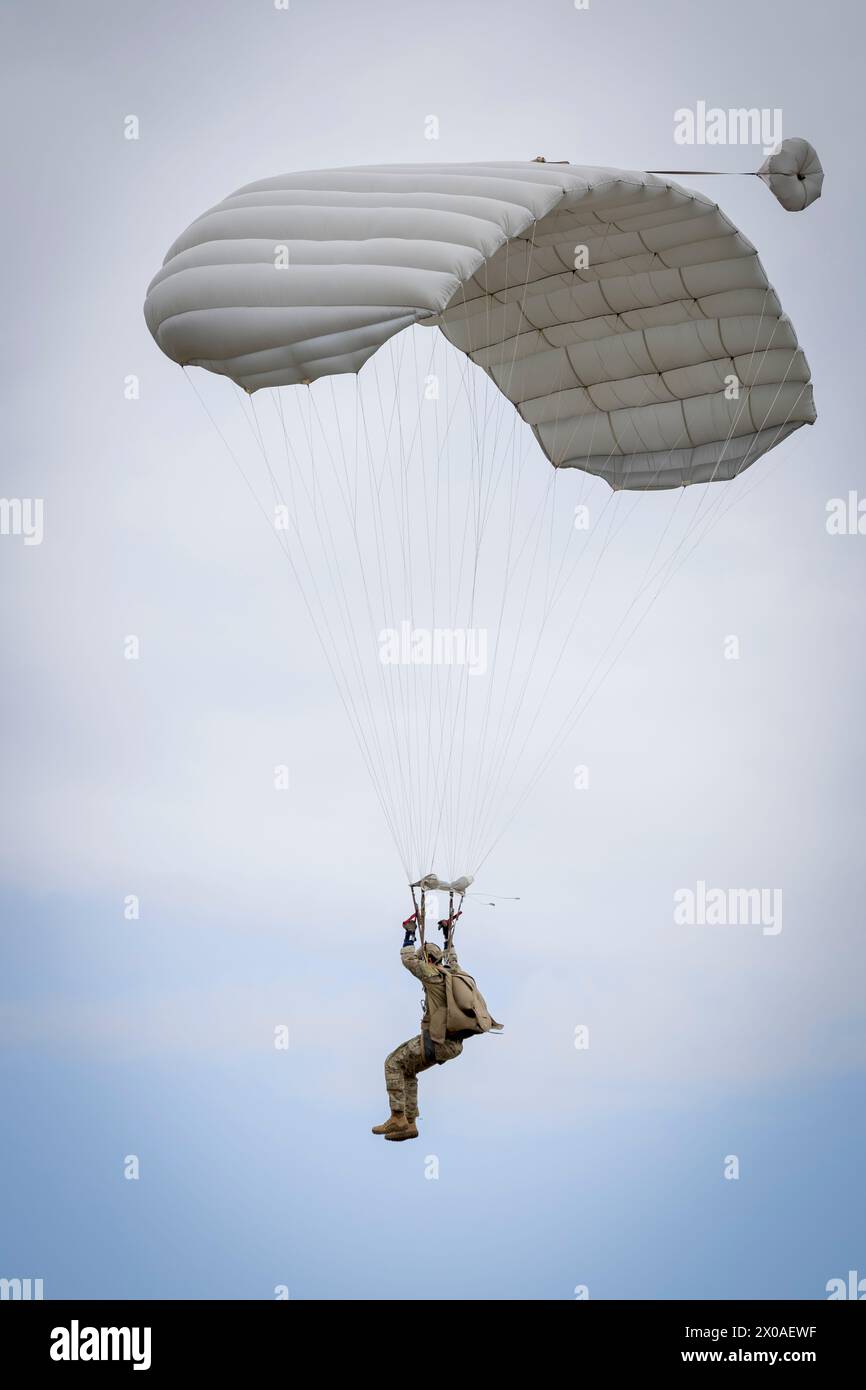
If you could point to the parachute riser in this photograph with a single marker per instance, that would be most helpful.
(420, 912)
(420, 909)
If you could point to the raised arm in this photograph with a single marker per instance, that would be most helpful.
(416, 967)
(409, 955)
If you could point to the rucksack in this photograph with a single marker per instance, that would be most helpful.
(467, 1011)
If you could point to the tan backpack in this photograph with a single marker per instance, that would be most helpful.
(467, 1011)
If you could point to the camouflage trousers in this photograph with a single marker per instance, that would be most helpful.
(401, 1072)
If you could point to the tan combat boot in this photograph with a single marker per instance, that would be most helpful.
(403, 1129)
(393, 1119)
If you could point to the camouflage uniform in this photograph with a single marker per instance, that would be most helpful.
(406, 1061)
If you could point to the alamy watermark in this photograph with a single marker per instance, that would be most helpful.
(712, 125)
(23, 516)
(851, 1288)
(77, 1343)
(434, 646)
(846, 516)
(23, 1289)
(729, 907)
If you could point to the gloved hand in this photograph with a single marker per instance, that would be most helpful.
(410, 926)
(447, 925)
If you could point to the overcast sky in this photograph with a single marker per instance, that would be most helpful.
(259, 907)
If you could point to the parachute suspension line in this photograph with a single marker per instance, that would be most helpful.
(384, 551)
(517, 762)
(348, 494)
(442, 782)
(418, 528)
(440, 465)
(551, 595)
(424, 593)
(582, 709)
(406, 680)
(472, 384)
(428, 686)
(352, 518)
(710, 520)
(321, 512)
(400, 727)
(665, 573)
(484, 786)
(476, 495)
(383, 569)
(610, 536)
(442, 809)
(406, 546)
(498, 637)
(320, 516)
(442, 450)
(436, 800)
(454, 780)
(717, 501)
(404, 732)
(448, 793)
(418, 524)
(496, 410)
(480, 417)
(487, 786)
(763, 476)
(454, 698)
(498, 790)
(287, 555)
(483, 511)
(399, 750)
(430, 518)
(481, 785)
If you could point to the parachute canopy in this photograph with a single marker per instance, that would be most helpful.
(627, 319)
(459, 589)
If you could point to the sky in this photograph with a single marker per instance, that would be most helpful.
(713, 1049)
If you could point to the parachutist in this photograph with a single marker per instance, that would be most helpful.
(454, 1010)
(417, 1054)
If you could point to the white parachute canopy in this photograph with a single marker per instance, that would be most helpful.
(608, 306)
(612, 322)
